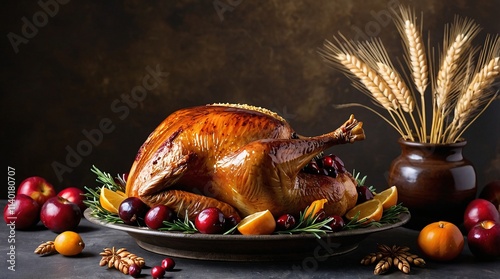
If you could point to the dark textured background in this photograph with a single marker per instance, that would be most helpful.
(67, 76)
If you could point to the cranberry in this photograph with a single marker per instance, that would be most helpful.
(156, 215)
(168, 264)
(232, 221)
(134, 270)
(320, 216)
(210, 220)
(364, 194)
(132, 210)
(285, 222)
(337, 223)
(157, 272)
(312, 168)
(338, 164)
(327, 161)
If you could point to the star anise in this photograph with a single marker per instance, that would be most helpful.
(120, 259)
(387, 256)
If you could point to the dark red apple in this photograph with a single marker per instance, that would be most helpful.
(210, 220)
(23, 213)
(37, 188)
(74, 195)
(491, 192)
(479, 210)
(58, 215)
(484, 239)
(156, 215)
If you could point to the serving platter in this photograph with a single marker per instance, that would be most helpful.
(275, 247)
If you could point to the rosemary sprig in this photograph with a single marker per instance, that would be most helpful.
(186, 226)
(98, 211)
(309, 224)
(108, 181)
(316, 228)
(361, 181)
(92, 195)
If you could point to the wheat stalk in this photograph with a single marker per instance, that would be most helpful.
(416, 58)
(478, 93)
(453, 68)
(370, 79)
(414, 47)
(376, 57)
(375, 86)
(458, 89)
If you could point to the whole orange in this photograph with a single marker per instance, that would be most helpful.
(69, 243)
(441, 241)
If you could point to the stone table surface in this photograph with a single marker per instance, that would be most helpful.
(86, 265)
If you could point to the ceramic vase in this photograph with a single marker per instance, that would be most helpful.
(434, 181)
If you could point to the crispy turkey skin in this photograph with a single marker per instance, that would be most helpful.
(239, 158)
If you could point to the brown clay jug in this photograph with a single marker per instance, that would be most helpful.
(434, 181)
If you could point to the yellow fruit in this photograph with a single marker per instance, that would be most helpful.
(388, 197)
(369, 211)
(69, 243)
(110, 200)
(259, 223)
(315, 207)
(122, 193)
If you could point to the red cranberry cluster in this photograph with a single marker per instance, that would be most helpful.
(329, 165)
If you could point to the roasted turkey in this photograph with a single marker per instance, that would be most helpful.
(241, 159)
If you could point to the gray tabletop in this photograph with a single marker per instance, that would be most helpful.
(86, 265)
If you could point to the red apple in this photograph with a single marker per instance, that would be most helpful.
(74, 195)
(479, 210)
(484, 239)
(37, 188)
(491, 192)
(58, 215)
(23, 213)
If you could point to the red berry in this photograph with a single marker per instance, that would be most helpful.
(285, 222)
(156, 215)
(364, 194)
(210, 220)
(134, 270)
(337, 223)
(157, 272)
(327, 161)
(132, 211)
(232, 221)
(320, 216)
(168, 264)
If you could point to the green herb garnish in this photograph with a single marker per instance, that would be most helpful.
(92, 196)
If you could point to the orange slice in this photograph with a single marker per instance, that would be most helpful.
(388, 197)
(315, 207)
(122, 193)
(110, 200)
(258, 223)
(371, 210)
